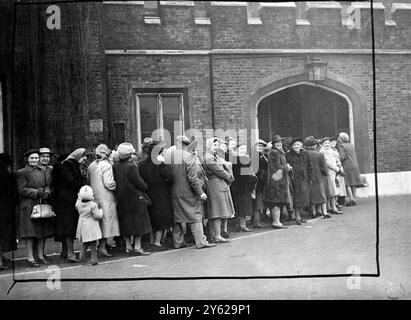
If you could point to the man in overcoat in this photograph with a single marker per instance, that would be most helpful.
(187, 193)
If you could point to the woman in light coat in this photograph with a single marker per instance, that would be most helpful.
(350, 165)
(342, 193)
(333, 170)
(101, 178)
(219, 202)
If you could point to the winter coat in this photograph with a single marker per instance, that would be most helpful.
(261, 172)
(330, 186)
(320, 170)
(88, 227)
(8, 200)
(189, 182)
(29, 180)
(243, 186)
(349, 163)
(158, 178)
(101, 180)
(70, 180)
(301, 177)
(132, 209)
(219, 201)
(277, 192)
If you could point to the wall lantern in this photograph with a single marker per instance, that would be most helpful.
(316, 69)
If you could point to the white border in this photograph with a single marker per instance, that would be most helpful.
(400, 6)
(228, 4)
(322, 5)
(367, 5)
(278, 4)
(139, 3)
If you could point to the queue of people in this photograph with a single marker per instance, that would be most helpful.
(124, 196)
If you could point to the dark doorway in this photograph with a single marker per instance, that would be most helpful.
(303, 110)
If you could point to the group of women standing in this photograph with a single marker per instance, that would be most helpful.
(137, 199)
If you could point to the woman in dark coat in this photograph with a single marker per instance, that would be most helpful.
(8, 194)
(277, 193)
(33, 187)
(243, 186)
(133, 216)
(350, 164)
(301, 177)
(258, 203)
(70, 180)
(157, 176)
(318, 198)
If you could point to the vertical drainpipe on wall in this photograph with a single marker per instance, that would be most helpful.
(210, 56)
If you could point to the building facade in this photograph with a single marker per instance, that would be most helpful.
(117, 70)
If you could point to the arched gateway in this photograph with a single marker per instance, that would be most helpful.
(294, 106)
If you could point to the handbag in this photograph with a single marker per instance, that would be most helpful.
(278, 175)
(42, 211)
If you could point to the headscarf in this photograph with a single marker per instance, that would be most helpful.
(210, 142)
(125, 150)
(344, 137)
(76, 154)
(103, 151)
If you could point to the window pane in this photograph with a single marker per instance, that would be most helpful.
(171, 113)
(148, 115)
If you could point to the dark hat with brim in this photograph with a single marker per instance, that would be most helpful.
(277, 138)
(310, 141)
(30, 152)
(322, 140)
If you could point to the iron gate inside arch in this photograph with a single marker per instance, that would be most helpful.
(303, 110)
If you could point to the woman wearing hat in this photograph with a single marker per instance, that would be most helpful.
(301, 177)
(70, 180)
(101, 179)
(243, 186)
(219, 202)
(350, 164)
(277, 193)
(342, 192)
(318, 197)
(8, 193)
(258, 203)
(33, 187)
(331, 190)
(157, 176)
(132, 209)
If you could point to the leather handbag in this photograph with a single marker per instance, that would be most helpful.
(42, 211)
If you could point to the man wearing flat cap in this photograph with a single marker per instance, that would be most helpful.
(187, 193)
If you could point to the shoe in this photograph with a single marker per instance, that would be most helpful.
(94, 263)
(298, 222)
(63, 255)
(130, 252)
(351, 204)
(73, 259)
(257, 225)
(141, 252)
(326, 216)
(225, 234)
(336, 212)
(104, 253)
(339, 206)
(245, 229)
(303, 221)
(208, 245)
(221, 240)
(33, 263)
(280, 227)
(43, 261)
(157, 248)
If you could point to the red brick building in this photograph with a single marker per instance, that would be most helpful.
(118, 70)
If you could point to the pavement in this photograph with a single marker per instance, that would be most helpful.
(324, 254)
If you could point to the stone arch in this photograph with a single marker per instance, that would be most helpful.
(346, 88)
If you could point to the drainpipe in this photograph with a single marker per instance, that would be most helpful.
(210, 63)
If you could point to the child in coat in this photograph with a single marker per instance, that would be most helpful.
(88, 227)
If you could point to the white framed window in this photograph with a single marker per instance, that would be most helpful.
(160, 116)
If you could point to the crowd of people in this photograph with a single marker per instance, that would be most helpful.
(171, 193)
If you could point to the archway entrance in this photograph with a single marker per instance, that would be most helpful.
(304, 110)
